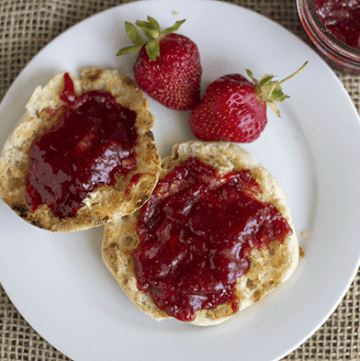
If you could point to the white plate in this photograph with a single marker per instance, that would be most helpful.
(58, 281)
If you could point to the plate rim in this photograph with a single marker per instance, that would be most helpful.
(131, 4)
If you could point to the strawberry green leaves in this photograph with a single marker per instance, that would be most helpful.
(152, 31)
(136, 38)
(269, 90)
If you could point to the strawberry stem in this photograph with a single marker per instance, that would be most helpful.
(269, 90)
(292, 75)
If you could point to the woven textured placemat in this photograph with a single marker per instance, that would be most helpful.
(26, 26)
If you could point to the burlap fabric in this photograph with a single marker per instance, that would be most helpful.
(26, 26)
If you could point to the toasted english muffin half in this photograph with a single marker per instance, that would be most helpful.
(269, 268)
(105, 202)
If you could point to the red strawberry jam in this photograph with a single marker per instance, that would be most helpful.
(90, 145)
(341, 18)
(196, 234)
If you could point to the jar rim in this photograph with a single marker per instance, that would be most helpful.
(335, 50)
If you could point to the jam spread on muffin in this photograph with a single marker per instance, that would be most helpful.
(91, 144)
(196, 235)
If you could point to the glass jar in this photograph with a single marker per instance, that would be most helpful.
(337, 53)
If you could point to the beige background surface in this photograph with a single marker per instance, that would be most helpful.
(26, 26)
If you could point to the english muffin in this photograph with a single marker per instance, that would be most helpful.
(205, 246)
(82, 154)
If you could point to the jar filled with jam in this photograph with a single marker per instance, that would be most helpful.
(334, 28)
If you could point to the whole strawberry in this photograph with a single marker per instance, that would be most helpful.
(168, 67)
(234, 108)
